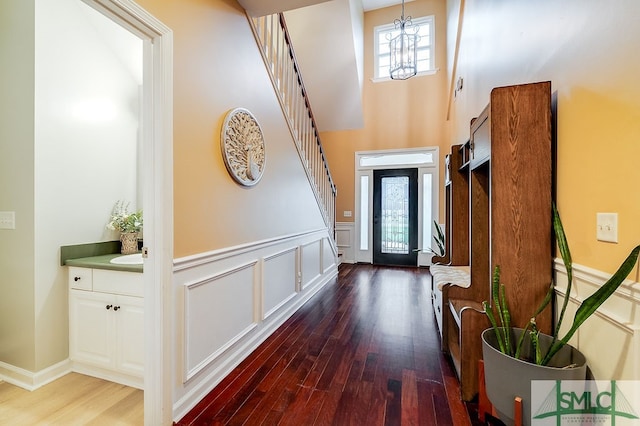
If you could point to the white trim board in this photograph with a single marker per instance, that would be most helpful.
(157, 199)
(614, 326)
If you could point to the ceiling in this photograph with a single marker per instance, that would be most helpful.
(266, 7)
(368, 5)
(327, 36)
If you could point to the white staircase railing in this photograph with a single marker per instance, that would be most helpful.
(273, 38)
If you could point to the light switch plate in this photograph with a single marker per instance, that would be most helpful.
(7, 220)
(607, 227)
(347, 213)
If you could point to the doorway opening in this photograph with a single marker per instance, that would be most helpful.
(157, 178)
(376, 243)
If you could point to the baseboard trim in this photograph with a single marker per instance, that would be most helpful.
(29, 380)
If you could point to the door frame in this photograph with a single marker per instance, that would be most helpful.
(392, 159)
(157, 142)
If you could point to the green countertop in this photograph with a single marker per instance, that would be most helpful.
(96, 256)
(102, 262)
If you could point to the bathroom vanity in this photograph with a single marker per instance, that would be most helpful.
(106, 319)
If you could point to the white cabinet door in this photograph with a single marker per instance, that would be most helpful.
(106, 327)
(91, 336)
(130, 335)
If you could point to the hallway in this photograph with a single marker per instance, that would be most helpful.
(363, 351)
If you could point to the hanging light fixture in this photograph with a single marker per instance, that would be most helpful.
(404, 57)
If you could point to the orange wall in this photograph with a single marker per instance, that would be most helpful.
(217, 67)
(587, 50)
(397, 114)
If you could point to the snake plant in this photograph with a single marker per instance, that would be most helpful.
(439, 239)
(499, 317)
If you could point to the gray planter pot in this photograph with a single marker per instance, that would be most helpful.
(506, 377)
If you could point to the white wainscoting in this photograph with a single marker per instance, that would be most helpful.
(280, 281)
(228, 295)
(610, 338)
(346, 240)
(329, 257)
(229, 301)
(311, 260)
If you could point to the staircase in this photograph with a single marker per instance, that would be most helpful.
(273, 39)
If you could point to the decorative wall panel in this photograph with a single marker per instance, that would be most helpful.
(345, 240)
(279, 280)
(219, 310)
(311, 262)
(328, 258)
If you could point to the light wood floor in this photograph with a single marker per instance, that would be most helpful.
(74, 399)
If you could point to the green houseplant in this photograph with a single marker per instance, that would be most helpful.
(499, 316)
(527, 354)
(128, 224)
(438, 237)
(122, 220)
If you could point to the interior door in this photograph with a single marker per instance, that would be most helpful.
(395, 217)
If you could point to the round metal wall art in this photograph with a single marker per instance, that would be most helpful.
(243, 147)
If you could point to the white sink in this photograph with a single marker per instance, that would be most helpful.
(129, 259)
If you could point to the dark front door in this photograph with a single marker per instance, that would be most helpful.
(395, 217)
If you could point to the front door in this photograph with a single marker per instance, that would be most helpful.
(395, 217)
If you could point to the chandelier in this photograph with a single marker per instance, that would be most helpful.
(403, 51)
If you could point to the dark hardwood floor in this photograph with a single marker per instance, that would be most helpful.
(363, 351)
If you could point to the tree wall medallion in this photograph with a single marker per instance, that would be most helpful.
(243, 147)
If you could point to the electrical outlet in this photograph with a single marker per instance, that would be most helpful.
(7, 220)
(607, 227)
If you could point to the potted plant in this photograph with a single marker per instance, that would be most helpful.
(513, 357)
(439, 239)
(128, 224)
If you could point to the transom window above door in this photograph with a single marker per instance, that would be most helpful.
(406, 158)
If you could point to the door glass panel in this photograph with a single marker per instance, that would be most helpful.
(427, 213)
(364, 212)
(395, 215)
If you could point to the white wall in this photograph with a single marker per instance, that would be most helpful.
(86, 132)
(16, 178)
(317, 32)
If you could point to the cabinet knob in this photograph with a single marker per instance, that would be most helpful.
(109, 306)
(76, 278)
(115, 308)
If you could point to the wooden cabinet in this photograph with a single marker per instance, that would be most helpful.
(456, 193)
(511, 199)
(106, 324)
(508, 219)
